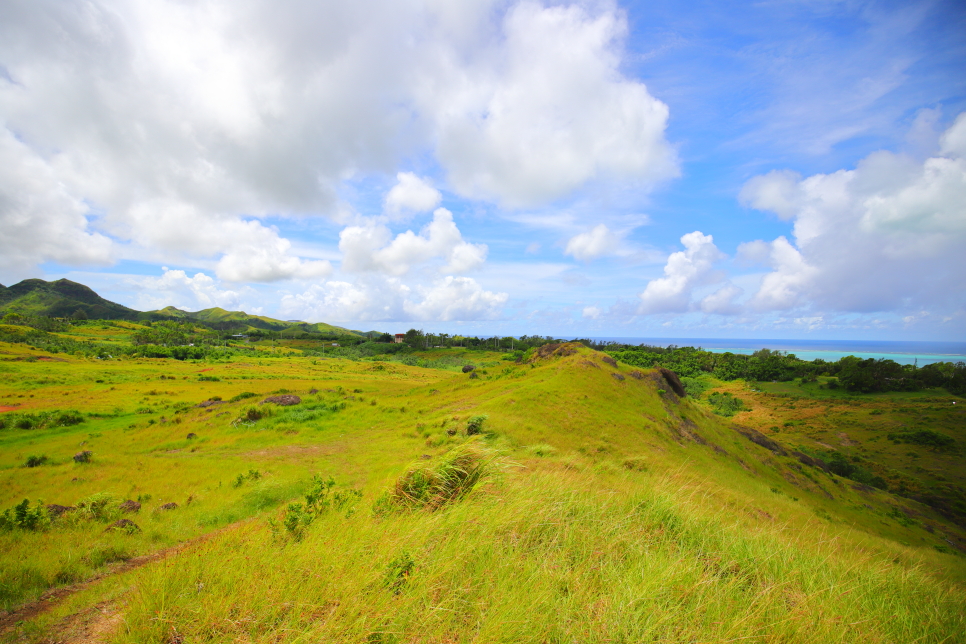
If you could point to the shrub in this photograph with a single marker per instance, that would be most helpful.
(35, 461)
(209, 379)
(694, 387)
(242, 396)
(100, 506)
(23, 517)
(475, 424)
(253, 475)
(398, 571)
(320, 499)
(724, 404)
(252, 414)
(924, 437)
(446, 479)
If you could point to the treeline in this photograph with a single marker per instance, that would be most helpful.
(39, 322)
(87, 348)
(851, 373)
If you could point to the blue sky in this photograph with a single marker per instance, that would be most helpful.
(637, 169)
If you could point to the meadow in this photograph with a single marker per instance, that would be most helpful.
(562, 497)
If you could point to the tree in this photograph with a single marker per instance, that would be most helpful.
(414, 338)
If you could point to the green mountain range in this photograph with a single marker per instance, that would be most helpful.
(239, 319)
(63, 298)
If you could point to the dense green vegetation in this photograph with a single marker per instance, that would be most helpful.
(550, 493)
(851, 373)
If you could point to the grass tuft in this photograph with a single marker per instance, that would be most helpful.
(444, 480)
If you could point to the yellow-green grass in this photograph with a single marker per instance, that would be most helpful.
(554, 550)
(859, 425)
(543, 556)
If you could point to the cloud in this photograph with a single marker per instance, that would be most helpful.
(683, 272)
(776, 191)
(887, 235)
(549, 111)
(447, 299)
(182, 126)
(372, 248)
(176, 288)
(456, 298)
(722, 301)
(594, 243)
(39, 219)
(411, 194)
(268, 264)
(591, 312)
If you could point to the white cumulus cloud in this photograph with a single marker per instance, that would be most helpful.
(549, 110)
(411, 194)
(40, 220)
(683, 272)
(887, 235)
(372, 248)
(596, 242)
(447, 299)
(176, 288)
(183, 125)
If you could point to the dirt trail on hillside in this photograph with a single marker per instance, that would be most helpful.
(100, 620)
(52, 598)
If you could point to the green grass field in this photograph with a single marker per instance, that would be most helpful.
(607, 508)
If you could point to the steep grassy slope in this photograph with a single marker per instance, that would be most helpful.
(615, 511)
(60, 298)
(912, 441)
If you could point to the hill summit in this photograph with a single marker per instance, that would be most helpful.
(60, 299)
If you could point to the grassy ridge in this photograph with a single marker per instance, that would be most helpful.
(623, 512)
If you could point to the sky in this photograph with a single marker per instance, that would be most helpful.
(775, 169)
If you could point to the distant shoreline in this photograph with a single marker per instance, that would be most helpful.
(903, 352)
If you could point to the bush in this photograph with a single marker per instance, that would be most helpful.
(320, 499)
(724, 404)
(252, 414)
(242, 396)
(23, 517)
(447, 479)
(924, 437)
(694, 387)
(398, 571)
(475, 424)
(35, 461)
(100, 506)
(253, 475)
(41, 420)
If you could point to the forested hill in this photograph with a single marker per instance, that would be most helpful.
(60, 299)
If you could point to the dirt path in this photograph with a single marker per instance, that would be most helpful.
(52, 598)
(98, 621)
(92, 626)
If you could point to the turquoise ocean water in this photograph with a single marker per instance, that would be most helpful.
(920, 353)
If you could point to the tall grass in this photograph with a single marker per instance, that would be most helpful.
(542, 558)
(443, 480)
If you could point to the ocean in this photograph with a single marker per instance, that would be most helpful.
(903, 352)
